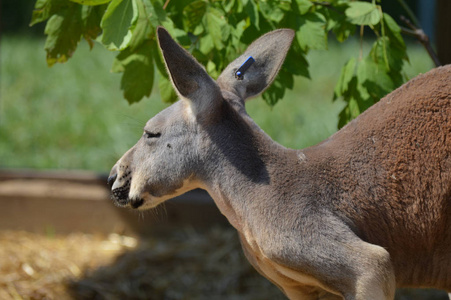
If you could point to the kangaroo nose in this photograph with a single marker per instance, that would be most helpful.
(111, 180)
(135, 203)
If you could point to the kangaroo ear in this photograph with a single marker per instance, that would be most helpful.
(188, 77)
(269, 52)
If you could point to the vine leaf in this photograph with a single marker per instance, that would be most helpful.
(167, 92)
(271, 10)
(138, 71)
(63, 32)
(339, 23)
(216, 27)
(91, 17)
(91, 2)
(193, 14)
(363, 13)
(44, 9)
(304, 6)
(142, 29)
(116, 23)
(312, 31)
(347, 73)
(216, 32)
(251, 10)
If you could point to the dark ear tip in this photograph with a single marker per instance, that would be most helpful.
(289, 32)
(286, 33)
(161, 31)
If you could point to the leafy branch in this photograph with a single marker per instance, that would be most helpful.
(217, 31)
(419, 34)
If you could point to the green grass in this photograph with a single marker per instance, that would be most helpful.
(73, 116)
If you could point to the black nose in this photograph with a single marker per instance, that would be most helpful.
(135, 203)
(111, 180)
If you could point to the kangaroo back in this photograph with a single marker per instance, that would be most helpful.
(393, 169)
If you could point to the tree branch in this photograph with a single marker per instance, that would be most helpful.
(422, 37)
(328, 6)
(409, 12)
(166, 4)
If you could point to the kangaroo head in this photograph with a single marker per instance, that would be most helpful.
(176, 147)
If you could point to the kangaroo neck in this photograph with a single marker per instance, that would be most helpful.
(243, 168)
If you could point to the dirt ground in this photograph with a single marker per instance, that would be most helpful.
(182, 265)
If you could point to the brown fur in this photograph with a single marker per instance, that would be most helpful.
(395, 162)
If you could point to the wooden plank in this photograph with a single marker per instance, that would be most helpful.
(87, 177)
(63, 202)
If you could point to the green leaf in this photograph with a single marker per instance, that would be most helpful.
(393, 56)
(228, 5)
(374, 78)
(193, 14)
(338, 23)
(363, 13)
(44, 9)
(393, 31)
(91, 2)
(158, 59)
(138, 76)
(343, 31)
(356, 102)
(274, 93)
(271, 11)
(167, 91)
(91, 17)
(212, 69)
(284, 5)
(63, 32)
(216, 27)
(347, 73)
(206, 44)
(143, 28)
(238, 29)
(312, 31)
(251, 10)
(393, 28)
(156, 14)
(116, 23)
(296, 64)
(304, 6)
(343, 117)
(41, 11)
(276, 90)
(286, 78)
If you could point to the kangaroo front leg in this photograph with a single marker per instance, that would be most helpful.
(340, 263)
(368, 275)
(309, 293)
(376, 278)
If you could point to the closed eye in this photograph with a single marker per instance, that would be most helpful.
(150, 135)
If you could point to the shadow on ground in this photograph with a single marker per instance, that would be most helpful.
(190, 264)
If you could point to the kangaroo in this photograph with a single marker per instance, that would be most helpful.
(354, 217)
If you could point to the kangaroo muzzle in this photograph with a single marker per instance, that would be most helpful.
(120, 190)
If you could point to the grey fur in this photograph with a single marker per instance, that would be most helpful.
(270, 52)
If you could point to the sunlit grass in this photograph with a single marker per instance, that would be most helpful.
(67, 116)
(74, 116)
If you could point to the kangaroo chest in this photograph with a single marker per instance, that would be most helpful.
(291, 282)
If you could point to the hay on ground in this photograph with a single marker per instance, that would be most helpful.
(184, 264)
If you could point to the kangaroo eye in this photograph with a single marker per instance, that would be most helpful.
(150, 135)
